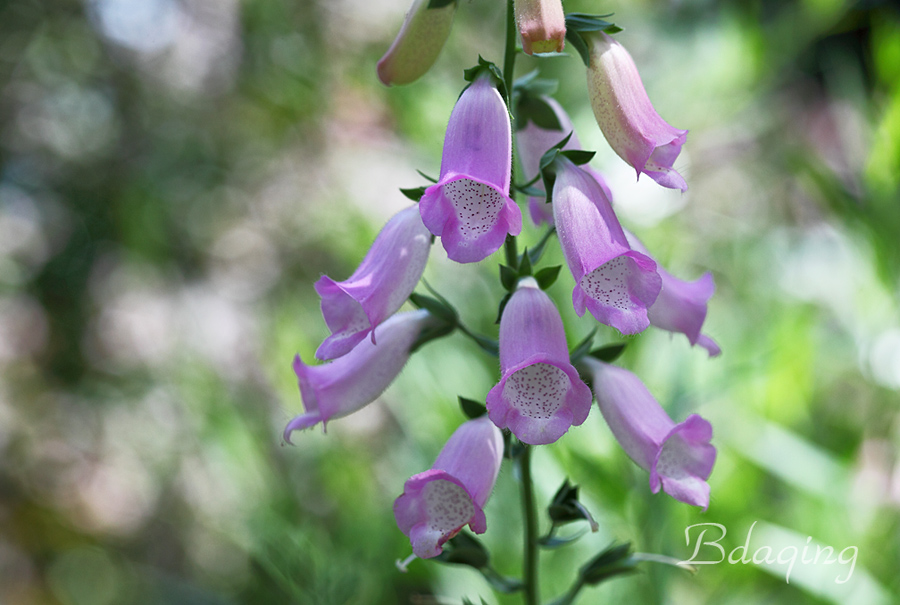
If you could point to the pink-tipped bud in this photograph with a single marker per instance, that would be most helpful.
(542, 25)
(417, 46)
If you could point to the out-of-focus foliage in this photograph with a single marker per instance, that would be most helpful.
(174, 175)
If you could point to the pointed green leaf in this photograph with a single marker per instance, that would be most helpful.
(609, 353)
(577, 42)
(501, 584)
(464, 549)
(524, 264)
(532, 191)
(552, 542)
(502, 306)
(426, 177)
(488, 345)
(414, 193)
(584, 22)
(534, 109)
(582, 348)
(531, 84)
(439, 309)
(546, 277)
(508, 277)
(538, 251)
(429, 334)
(578, 156)
(471, 408)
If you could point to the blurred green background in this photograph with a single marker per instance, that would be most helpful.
(175, 174)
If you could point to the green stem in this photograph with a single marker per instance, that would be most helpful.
(509, 57)
(530, 562)
(509, 66)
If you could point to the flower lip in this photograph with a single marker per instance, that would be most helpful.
(437, 503)
(537, 395)
(685, 461)
(471, 215)
(679, 457)
(434, 506)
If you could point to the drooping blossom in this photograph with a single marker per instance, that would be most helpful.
(540, 394)
(679, 456)
(417, 46)
(626, 116)
(681, 305)
(436, 504)
(612, 281)
(469, 207)
(542, 25)
(379, 286)
(533, 142)
(351, 382)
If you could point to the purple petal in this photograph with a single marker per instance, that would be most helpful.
(347, 384)
(469, 207)
(681, 305)
(436, 504)
(614, 283)
(679, 457)
(626, 116)
(685, 461)
(540, 394)
(379, 286)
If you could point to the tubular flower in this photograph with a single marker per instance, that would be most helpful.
(681, 305)
(533, 142)
(436, 504)
(351, 382)
(542, 25)
(612, 281)
(678, 456)
(540, 394)
(469, 207)
(417, 46)
(379, 286)
(627, 118)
